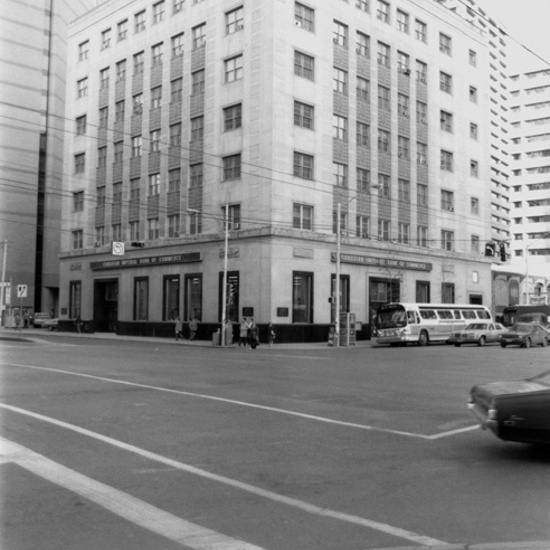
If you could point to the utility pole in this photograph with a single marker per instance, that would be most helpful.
(224, 282)
(5, 259)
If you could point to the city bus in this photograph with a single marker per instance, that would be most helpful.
(537, 313)
(421, 323)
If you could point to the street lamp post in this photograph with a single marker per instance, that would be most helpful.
(337, 282)
(224, 282)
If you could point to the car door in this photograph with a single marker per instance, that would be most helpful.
(527, 418)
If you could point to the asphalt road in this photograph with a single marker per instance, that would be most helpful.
(152, 445)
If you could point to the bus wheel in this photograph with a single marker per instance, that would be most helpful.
(423, 338)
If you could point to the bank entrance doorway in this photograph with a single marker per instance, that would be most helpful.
(105, 305)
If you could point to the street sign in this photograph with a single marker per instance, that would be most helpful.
(21, 291)
(117, 249)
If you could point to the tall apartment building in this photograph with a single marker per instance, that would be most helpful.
(33, 66)
(530, 245)
(267, 123)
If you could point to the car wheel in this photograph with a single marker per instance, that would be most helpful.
(527, 343)
(423, 338)
(457, 345)
(503, 344)
(481, 341)
(544, 342)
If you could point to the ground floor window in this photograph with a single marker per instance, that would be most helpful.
(193, 296)
(382, 291)
(447, 293)
(141, 298)
(302, 297)
(232, 296)
(344, 295)
(171, 297)
(423, 292)
(75, 297)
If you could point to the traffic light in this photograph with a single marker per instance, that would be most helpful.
(502, 250)
(137, 244)
(490, 249)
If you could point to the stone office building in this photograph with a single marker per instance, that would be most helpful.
(231, 137)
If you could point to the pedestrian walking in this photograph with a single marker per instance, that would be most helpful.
(178, 329)
(78, 323)
(243, 332)
(270, 334)
(193, 327)
(252, 334)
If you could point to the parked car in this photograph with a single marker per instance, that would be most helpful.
(51, 324)
(514, 411)
(479, 333)
(524, 335)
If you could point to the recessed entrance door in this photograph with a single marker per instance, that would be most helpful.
(106, 305)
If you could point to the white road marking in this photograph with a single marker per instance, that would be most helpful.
(453, 432)
(246, 404)
(258, 491)
(122, 504)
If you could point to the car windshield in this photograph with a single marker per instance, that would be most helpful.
(476, 326)
(521, 328)
(391, 317)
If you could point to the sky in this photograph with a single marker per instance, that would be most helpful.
(527, 21)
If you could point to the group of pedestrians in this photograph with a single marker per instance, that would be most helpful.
(193, 327)
(249, 336)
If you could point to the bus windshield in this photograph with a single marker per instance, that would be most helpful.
(391, 317)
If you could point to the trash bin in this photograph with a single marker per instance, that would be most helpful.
(216, 338)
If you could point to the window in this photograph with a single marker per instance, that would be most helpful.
(75, 299)
(473, 130)
(421, 72)
(139, 22)
(474, 169)
(340, 174)
(340, 34)
(136, 146)
(141, 299)
(137, 104)
(193, 293)
(474, 244)
(177, 45)
(446, 161)
(234, 68)
(445, 44)
(384, 189)
(197, 82)
(304, 17)
(302, 297)
(156, 54)
(158, 12)
(173, 225)
(472, 58)
(403, 105)
(447, 240)
(384, 145)
(156, 97)
(303, 115)
(362, 5)
(117, 193)
(118, 151)
(122, 30)
(79, 163)
(302, 216)
(403, 148)
(383, 54)
(474, 206)
(233, 213)
(83, 50)
(135, 229)
(340, 127)
(362, 227)
(446, 121)
(363, 134)
(81, 125)
(121, 70)
(383, 11)
(421, 153)
(473, 94)
(100, 196)
(154, 185)
(362, 45)
(403, 21)
(303, 65)
(231, 167)
(384, 230)
(103, 117)
(199, 36)
(447, 293)
(363, 180)
(82, 88)
(422, 194)
(403, 63)
(303, 166)
(176, 90)
(403, 231)
(232, 117)
(447, 201)
(100, 235)
(343, 222)
(422, 235)
(153, 229)
(104, 78)
(195, 175)
(154, 141)
(78, 201)
(421, 112)
(234, 20)
(383, 98)
(105, 39)
(420, 31)
(403, 190)
(139, 60)
(197, 128)
(174, 180)
(78, 239)
(362, 90)
(175, 135)
(423, 292)
(178, 5)
(445, 82)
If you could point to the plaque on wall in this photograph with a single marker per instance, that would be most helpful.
(282, 312)
(248, 312)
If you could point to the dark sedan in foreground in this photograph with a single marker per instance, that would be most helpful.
(524, 335)
(514, 411)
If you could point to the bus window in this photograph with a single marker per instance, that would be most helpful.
(457, 314)
(444, 314)
(469, 314)
(428, 314)
(482, 314)
(411, 318)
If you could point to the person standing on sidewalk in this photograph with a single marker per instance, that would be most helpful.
(270, 334)
(193, 327)
(178, 328)
(243, 332)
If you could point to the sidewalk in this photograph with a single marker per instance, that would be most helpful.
(31, 334)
